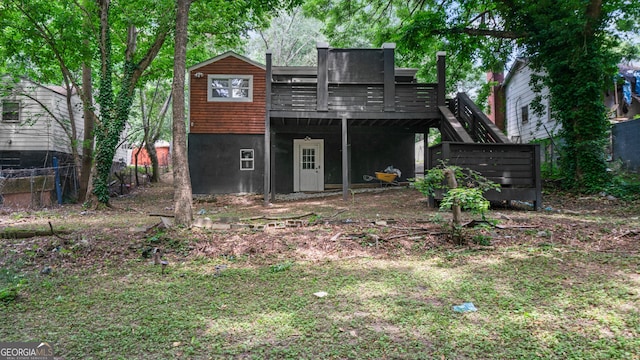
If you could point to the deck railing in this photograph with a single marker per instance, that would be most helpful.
(298, 96)
(515, 167)
(475, 122)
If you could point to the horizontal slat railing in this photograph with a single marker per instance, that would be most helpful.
(451, 128)
(477, 124)
(414, 98)
(515, 167)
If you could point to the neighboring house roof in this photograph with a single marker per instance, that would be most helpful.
(518, 64)
(58, 89)
(53, 88)
(226, 55)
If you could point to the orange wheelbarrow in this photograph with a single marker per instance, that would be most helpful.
(382, 177)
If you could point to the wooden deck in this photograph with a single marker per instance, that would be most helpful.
(355, 87)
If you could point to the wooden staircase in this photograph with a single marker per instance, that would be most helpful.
(471, 140)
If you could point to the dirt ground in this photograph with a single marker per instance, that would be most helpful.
(387, 222)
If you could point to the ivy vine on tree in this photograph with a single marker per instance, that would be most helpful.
(569, 42)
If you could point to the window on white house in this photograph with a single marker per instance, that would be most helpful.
(10, 111)
(246, 159)
(230, 88)
(525, 114)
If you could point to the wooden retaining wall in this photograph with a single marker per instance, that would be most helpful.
(516, 167)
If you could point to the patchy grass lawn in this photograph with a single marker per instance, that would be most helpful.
(561, 284)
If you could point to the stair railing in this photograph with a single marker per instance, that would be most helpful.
(475, 122)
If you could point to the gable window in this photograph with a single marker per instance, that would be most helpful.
(246, 159)
(10, 111)
(230, 88)
(525, 114)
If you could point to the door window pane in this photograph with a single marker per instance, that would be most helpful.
(308, 158)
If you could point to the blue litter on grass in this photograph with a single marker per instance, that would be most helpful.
(466, 307)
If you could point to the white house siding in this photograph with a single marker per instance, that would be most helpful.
(38, 131)
(518, 94)
(60, 140)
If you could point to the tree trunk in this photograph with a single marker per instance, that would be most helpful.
(155, 166)
(136, 164)
(181, 180)
(455, 208)
(153, 154)
(87, 143)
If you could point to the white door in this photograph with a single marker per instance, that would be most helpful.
(308, 165)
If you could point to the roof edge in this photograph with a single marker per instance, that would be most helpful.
(224, 56)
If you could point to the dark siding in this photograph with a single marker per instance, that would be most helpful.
(214, 163)
(375, 149)
(372, 150)
(356, 65)
(625, 143)
(32, 159)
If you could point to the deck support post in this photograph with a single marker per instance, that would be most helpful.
(267, 134)
(345, 161)
(389, 76)
(322, 96)
(537, 203)
(425, 154)
(442, 84)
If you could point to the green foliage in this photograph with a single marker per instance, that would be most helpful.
(572, 45)
(280, 267)
(625, 186)
(291, 37)
(469, 193)
(482, 240)
(470, 199)
(10, 284)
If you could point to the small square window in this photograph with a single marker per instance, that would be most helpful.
(10, 111)
(246, 159)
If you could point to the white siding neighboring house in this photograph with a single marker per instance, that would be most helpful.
(523, 125)
(30, 135)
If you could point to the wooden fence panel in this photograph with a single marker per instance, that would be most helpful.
(514, 166)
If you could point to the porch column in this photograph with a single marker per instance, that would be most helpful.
(442, 85)
(389, 76)
(345, 161)
(267, 133)
(322, 90)
(426, 161)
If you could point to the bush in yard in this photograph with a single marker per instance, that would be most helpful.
(463, 190)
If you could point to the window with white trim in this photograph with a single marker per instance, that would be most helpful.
(246, 159)
(230, 88)
(10, 111)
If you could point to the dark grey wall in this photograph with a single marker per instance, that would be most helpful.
(32, 159)
(375, 150)
(214, 163)
(372, 149)
(626, 143)
(355, 65)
